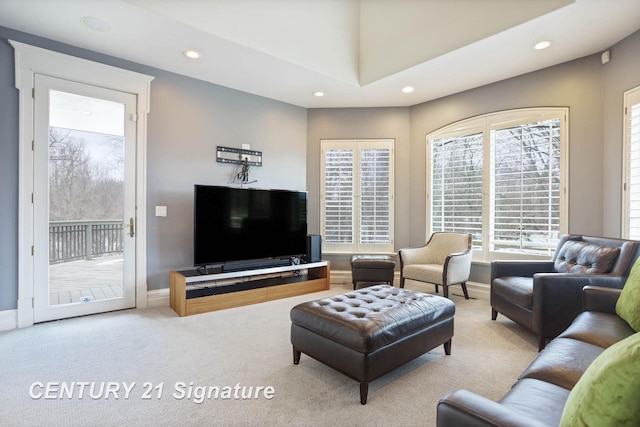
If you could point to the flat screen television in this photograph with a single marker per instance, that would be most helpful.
(246, 224)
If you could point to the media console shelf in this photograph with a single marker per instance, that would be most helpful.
(194, 293)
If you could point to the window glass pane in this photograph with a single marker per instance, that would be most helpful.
(525, 187)
(456, 185)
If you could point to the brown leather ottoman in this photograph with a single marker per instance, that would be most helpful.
(372, 268)
(368, 332)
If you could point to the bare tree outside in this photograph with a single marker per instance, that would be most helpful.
(85, 185)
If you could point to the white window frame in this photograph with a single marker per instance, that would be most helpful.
(485, 124)
(357, 146)
(631, 165)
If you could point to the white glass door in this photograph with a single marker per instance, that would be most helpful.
(84, 199)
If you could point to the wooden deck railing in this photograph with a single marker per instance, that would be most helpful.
(73, 240)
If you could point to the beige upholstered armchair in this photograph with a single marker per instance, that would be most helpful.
(445, 260)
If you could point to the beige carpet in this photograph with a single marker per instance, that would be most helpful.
(161, 357)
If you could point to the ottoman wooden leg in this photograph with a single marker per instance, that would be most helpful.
(364, 391)
(296, 356)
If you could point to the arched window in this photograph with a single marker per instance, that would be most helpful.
(502, 178)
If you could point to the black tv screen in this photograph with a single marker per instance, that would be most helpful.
(239, 224)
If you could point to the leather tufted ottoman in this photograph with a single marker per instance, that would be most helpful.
(368, 332)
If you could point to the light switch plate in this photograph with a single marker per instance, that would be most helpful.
(161, 211)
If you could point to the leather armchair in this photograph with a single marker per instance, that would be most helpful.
(545, 296)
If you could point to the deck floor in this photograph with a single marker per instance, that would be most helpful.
(86, 280)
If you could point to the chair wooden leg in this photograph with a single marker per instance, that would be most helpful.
(494, 314)
(464, 290)
(402, 282)
(445, 290)
(444, 287)
(447, 348)
(354, 285)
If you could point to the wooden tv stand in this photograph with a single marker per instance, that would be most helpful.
(194, 293)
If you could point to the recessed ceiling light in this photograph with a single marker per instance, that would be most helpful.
(318, 93)
(407, 89)
(542, 45)
(95, 24)
(193, 54)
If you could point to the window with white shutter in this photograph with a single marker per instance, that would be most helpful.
(525, 187)
(631, 187)
(456, 185)
(357, 196)
(501, 177)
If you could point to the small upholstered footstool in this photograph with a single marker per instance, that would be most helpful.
(372, 268)
(368, 332)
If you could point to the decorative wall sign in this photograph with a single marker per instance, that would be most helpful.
(238, 156)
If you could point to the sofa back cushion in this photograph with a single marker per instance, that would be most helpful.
(607, 393)
(576, 256)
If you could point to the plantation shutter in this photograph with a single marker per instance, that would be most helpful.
(357, 196)
(375, 194)
(525, 187)
(338, 196)
(632, 131)
(456, 185)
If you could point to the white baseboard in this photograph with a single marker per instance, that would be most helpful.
(8, 320)
(475, 289)
(158, 298)
(155, 298)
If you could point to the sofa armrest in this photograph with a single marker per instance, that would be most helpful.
(462, 408)
(557, 299)
(601, 299)
(519, 268)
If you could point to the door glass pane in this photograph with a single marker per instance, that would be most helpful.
(86, 197)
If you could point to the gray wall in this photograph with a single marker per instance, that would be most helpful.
(8, 179)
(188, 119)
(593, 93)
(360, 123)
(619, 75)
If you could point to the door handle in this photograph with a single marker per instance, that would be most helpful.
(132, 231)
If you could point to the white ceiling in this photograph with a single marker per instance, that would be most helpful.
(360, 53)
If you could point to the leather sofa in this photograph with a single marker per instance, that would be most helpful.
(541, 391)
(545, 296)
